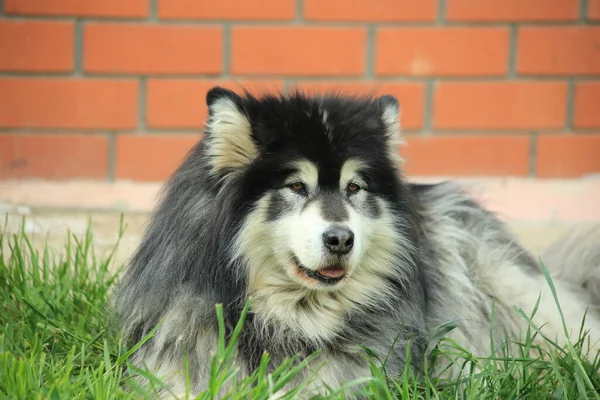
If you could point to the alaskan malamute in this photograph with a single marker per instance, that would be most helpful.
(299, 202)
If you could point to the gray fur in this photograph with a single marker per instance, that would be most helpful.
(575, 259)
(431, 254)
(333, 207)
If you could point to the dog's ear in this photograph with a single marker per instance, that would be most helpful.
(389, 107)
(390, 114)
(228, 132)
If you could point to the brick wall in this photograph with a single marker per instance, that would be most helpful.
(114, 89)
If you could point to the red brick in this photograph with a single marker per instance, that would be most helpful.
(559, 50)
(298, 51)
(36, 46)
(446, 51)
(249, 10)
(151, 157)
(68, 103)
(53, 156)
(152, 49)
(463, 155)
(587, 109)
(568, 156)
(78, 8)
(593, 11)
(181, 103)
(500, 105)
(370, 10)
(512, 10)
(410, 95)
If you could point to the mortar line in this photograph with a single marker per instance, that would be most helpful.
(512, 51)
(583, 7)
(112, 157)
(429, 104)
(370, 52)
(194, 130)
(142, 123)
(308, 23)
(78, 48)
(225, 73)
(441, 13)
(299, 12)
(311, 78)
(53, 131)
(533, 154)
(570, 104)
(153, 11)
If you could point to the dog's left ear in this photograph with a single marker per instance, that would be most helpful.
(228, 132)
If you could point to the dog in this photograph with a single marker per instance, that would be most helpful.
(299, 203)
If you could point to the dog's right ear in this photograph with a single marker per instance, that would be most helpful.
(228, 132)
(390, 116)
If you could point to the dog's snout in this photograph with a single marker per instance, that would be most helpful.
(339, 240)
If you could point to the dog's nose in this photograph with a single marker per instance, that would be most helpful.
(339, 240)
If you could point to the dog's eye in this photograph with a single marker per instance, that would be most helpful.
(297, 187)
(353, 187)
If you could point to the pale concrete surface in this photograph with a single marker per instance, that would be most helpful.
(52, 227)
(514, 198)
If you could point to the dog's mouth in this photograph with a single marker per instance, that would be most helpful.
(329, 275)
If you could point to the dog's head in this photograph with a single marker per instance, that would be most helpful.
(321, 175)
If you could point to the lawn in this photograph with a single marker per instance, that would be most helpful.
(57, 342)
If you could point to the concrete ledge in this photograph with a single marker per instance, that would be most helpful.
(512, 198)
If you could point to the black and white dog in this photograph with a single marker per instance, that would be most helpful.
(299, 202)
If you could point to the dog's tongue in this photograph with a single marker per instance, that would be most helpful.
(332, 272)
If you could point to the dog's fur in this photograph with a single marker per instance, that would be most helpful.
(245, 215)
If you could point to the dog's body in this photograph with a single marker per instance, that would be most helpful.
(299, 203)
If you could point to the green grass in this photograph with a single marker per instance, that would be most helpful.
(56, 342)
